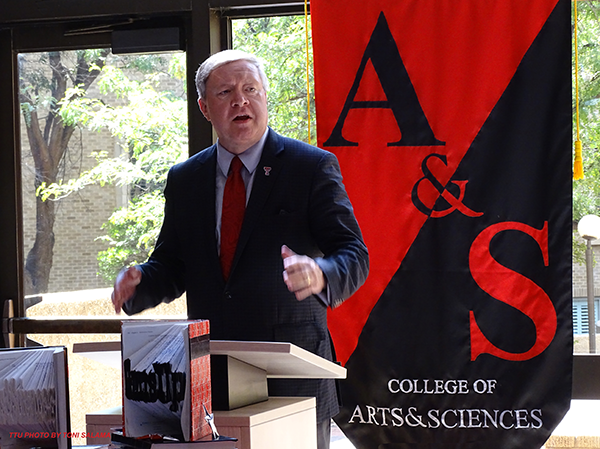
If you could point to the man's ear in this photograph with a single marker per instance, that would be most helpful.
(204, 109)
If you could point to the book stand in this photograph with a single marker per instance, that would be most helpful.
(243, 366)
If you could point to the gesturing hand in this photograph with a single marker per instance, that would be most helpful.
(125, 285)
(301, 274)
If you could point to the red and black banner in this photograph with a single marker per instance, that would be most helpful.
(452, 123)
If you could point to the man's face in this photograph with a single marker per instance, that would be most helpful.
(236, 104)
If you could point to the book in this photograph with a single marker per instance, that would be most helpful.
(34, 398)
(166, 379)
(120, 441)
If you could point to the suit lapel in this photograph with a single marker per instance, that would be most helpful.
(203, 202)
(265, 178)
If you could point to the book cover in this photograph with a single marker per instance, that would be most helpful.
(34, 398)
(166, 378)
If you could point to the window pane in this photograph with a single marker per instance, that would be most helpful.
(99, 132)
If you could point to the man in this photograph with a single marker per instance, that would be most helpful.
(299, 249)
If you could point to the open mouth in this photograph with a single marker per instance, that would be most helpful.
(241, 118)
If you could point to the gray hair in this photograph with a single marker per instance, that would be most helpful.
(222, 58)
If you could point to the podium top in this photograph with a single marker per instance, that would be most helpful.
(278, 360)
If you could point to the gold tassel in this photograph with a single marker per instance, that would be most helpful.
(578, 164)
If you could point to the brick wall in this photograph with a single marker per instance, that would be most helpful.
(580, 277)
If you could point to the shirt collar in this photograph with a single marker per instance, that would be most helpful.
(249, 157)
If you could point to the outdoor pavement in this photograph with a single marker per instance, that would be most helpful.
(583, 419)
(338, 439)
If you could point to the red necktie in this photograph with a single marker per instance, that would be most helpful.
(234, 206)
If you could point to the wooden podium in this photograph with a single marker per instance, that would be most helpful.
(261, 422)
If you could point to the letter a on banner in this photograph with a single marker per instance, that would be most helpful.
(451, 121)
(401, 98)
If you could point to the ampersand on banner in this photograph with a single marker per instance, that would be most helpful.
(454, 202)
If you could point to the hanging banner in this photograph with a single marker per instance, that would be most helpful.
(452, 124)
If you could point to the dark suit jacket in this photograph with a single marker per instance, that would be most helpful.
(297, 199)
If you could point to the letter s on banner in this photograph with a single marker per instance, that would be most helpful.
(513, 289)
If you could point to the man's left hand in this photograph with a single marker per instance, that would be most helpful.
(301, 274)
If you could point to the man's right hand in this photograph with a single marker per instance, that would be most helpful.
(125, 284)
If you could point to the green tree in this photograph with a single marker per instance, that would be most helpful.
(41, 87)
(586, 192)
(281, 43)
(151, 125)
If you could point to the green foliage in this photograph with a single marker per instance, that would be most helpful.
(586, 192)
(131, 233)
(150, 123)
(37, 86)
(281, 43)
